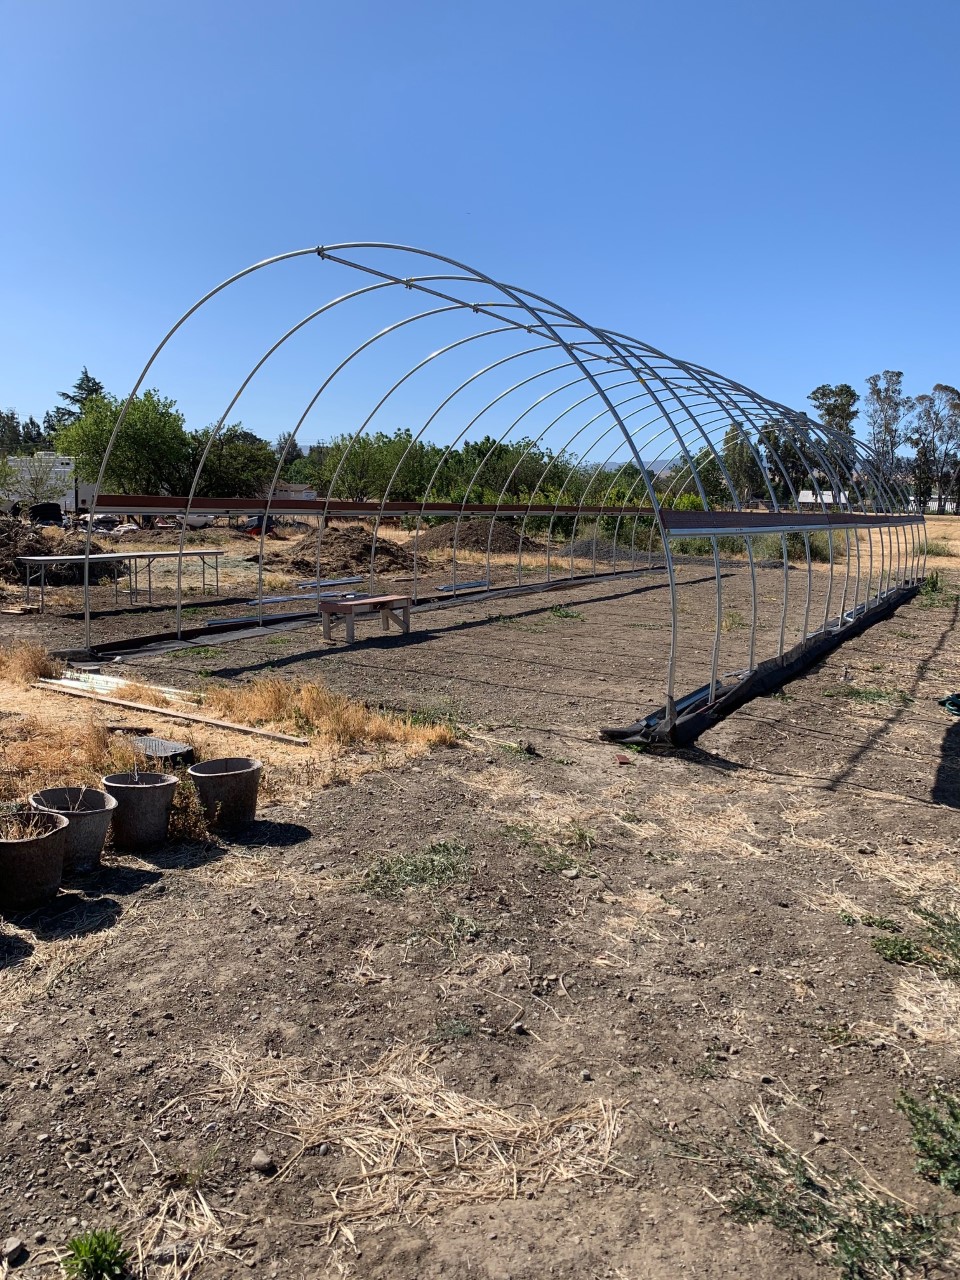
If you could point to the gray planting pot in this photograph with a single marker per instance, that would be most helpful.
(31, 869)
(228, 789)
(142, 815)
(88, 813)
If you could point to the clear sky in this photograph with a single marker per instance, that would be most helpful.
(769, 189)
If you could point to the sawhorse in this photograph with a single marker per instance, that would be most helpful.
(395, 609)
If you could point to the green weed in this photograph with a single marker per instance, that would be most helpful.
(855, 694)
(900, 950)
(839, 1220)
(933, 593)
(936, 1137)
(96, 1255)
(937, 947)
(432, 868)
(457, 929)
(451, 1029)
(205, 651)
(937, 547)
(881, 922)
(560, 613)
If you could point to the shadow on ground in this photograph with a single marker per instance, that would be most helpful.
(274, 835)
(70, 915)
(13, 950)
(946, 785)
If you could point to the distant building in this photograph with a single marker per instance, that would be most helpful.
(807, 498)
(55, 474)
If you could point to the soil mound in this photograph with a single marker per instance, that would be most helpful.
(475, 535)
(342, 551)
(18, 539)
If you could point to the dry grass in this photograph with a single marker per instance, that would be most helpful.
(632, 920)
(83, 936)
(22, 824)
(34, 755)
(25, 663)
(135, 691)
(915, 869)
(312, 708)
(416, 1146)
(930, 1008)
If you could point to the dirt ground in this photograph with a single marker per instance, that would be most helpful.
(506, 1009)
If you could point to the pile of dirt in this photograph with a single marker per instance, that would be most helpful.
(475, 535)
(342, 551)
(18, 539)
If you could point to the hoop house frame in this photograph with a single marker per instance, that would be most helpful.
(621, 461)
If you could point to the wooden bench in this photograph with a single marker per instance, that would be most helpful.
(395, 609)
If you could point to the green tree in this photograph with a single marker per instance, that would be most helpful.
(935, 431)
(240, 464)
(786, 461)
(887, 412)
(742, 465)
(10, 437)
(923, 477)
(152, 453)
(836, 406)
(84, 389)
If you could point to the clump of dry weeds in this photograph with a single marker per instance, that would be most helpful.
(33, 756)
(188, 819)
(135, 691)
(24, 663)
(313, 708)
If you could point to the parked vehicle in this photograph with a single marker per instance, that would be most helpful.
(45, 513)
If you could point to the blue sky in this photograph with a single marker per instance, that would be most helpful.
(768, 189)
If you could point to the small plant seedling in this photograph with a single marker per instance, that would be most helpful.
(460, 929)
(96, 1255)
(452, 1029)
(935, 1130)
(560, 613)
(881, 922)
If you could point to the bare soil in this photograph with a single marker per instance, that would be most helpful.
(667, 941)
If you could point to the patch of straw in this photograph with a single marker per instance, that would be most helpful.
(913, 869)
(48, 961)
(416, 1147)
(182, 1228)
(36, 755)
(341, 721)
(930, 1008)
